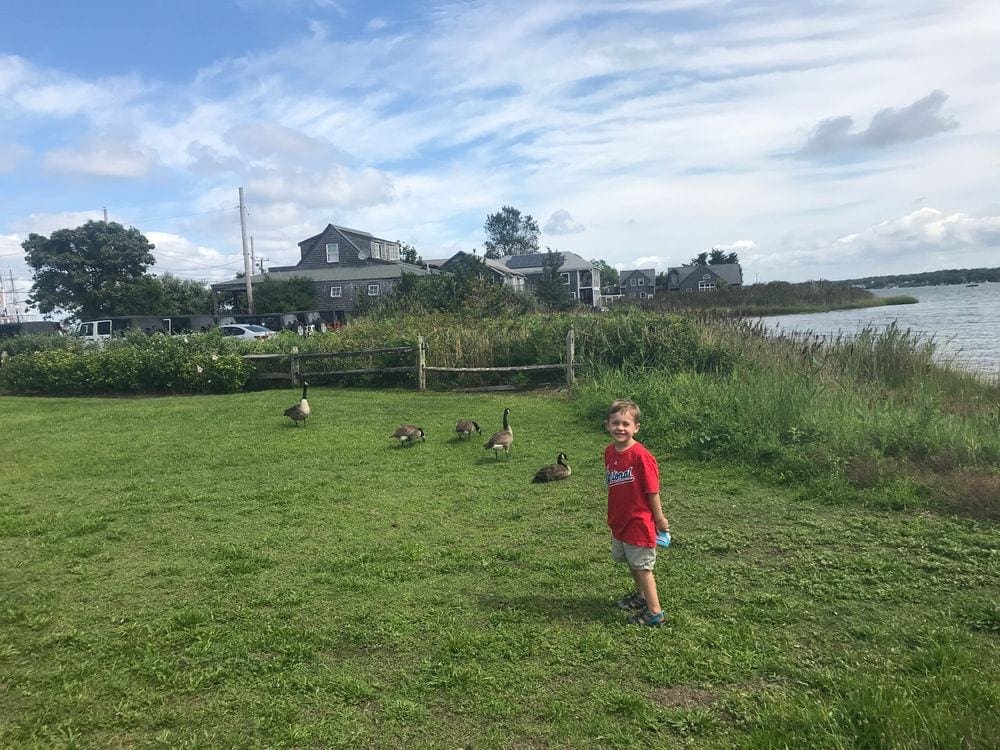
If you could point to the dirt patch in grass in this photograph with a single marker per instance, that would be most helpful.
(969, 494)
(684, 696)
(864, 473)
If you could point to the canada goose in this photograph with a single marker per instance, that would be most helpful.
(301, 410)
(409, 433)
(501, 441)
(559, 470)
(466, 427)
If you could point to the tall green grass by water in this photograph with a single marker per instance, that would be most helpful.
(198, 572)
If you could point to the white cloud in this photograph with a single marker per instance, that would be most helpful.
(561, 222)
(889, 126)
(181, 257)
(103, 157)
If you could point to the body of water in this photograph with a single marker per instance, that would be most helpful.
(963, 321)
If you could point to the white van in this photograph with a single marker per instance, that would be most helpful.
(99, 331)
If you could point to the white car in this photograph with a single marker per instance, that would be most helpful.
(246, 331)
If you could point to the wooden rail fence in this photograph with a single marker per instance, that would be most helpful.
(420, 366)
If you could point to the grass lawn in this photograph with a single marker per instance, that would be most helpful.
(197, 572)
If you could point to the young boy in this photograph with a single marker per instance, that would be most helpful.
(634, 510)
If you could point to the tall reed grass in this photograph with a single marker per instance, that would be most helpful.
(872, 417)
(773, 298)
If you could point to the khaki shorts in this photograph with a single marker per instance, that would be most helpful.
(637, 558)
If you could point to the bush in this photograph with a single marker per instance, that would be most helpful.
(147, 364)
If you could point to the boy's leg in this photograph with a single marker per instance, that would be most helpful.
(645, 584)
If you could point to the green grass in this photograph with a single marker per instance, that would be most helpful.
(197, 572)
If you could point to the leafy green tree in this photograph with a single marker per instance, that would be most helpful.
(408, 254)
(609, 275)
(701, 259)
(184, 296)
(510, 233)
(90, 271)
(718, 256)
(468, 289)
(274, 296)
(550, 289)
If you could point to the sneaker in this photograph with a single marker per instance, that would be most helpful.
(631, 601)
(647, 618)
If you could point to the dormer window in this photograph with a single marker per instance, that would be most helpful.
(332, 252)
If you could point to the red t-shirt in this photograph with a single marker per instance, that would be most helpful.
(631, 475)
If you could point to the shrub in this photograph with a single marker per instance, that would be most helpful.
(158, 364)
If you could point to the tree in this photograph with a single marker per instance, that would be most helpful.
(609, 275)
(701, 259)
(510, 233)
(408, 254)
(274, 296)
(718, 256)
(184, 296)
(550, 289)
(90, 271)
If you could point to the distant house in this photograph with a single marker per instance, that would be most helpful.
(345, 265)
(704, 278)
(582, 279)
(637, 284)
(498, 271)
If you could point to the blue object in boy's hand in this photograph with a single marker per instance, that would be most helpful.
(662, 538)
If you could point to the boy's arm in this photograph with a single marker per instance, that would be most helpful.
(653, 498)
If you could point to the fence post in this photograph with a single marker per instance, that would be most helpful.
(295, 364)
(570, 354)
(421, 365)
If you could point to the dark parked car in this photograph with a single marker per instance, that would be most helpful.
(29, 327)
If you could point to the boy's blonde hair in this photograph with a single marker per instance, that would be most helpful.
(623, 405)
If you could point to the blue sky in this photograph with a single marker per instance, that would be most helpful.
(816, 139)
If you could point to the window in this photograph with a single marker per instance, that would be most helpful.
(572, 295)
(705, 285)
(393, 252)
(332, 252)
(632, 282)
(642, 295)
(373, 290)
(642, 281)
(336, 291)
(104, 328)
(565, 278)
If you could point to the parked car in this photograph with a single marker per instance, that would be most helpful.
(301, 322)
(29, 327)
(248, 331)
(99, 331)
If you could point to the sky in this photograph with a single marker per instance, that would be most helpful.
(817, 140)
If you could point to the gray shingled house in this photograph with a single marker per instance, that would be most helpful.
(703, 278)
(638, 283)
(498, 271)
(345, 265)
(581, 277)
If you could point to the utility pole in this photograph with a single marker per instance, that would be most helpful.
(105, 214)
(247, 266)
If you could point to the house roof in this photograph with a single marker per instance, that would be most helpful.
(367, 272)
(649, 273)
(529, 263)
(731, 273)
(489, 262)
